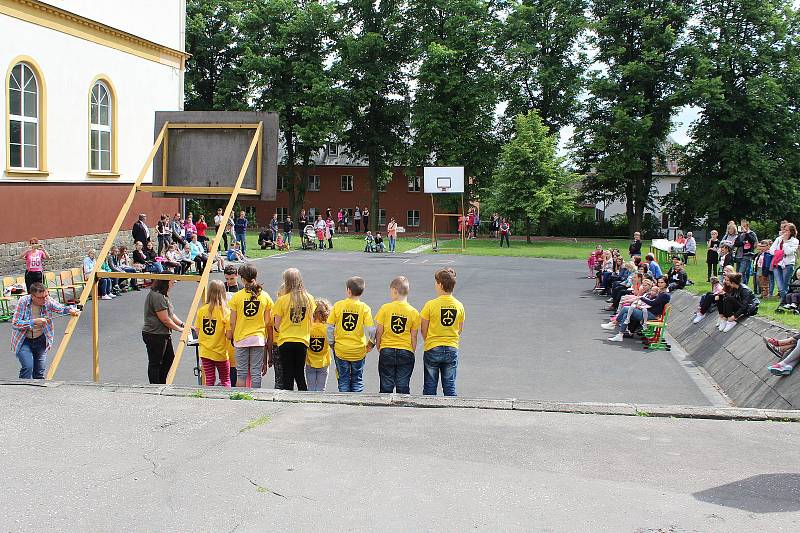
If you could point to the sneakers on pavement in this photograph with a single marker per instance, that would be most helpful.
(106, 297)
(728, 326)
(610, 326)
(698, 317)
(779, 369)
(616, 338)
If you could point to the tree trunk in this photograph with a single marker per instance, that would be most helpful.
(528, 229)
(291, 156)
(373, 188)
(303, 184)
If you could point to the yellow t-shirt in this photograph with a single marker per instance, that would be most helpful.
(295, 324)
(250, 314)
(445, 315)
(398, 320)
(350, 318)
(318, 354)
(211, 332)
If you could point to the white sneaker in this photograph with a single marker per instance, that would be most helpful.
(112, 295)
(616, 338)
(721, 325)
(106, 297)
(697, 318)
(729, 326)
(610, 326)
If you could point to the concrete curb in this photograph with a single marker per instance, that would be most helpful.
(403, 400)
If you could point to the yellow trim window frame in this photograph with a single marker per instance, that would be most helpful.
(103, 128)
(26, 119)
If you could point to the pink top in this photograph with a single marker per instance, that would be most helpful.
(391, 229)
(34, 260)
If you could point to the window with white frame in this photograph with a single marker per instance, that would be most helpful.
(347, 183)
(414, 184)
(313, 183)
(281, 183)
(282, 213)
(381, 217)
(23, 119)
(333, 149)
(413, 217)
(101, 128)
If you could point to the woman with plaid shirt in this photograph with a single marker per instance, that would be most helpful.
(32, 330)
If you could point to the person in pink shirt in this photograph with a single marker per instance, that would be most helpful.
(34, 258)
(189, 228)
(391, 231)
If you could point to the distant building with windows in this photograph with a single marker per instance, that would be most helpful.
(83, 80)
(339, 181)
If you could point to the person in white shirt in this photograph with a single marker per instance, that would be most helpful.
(785, 245)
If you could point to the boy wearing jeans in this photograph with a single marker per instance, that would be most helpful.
(397, 324)
(351, 335)
(442, 321)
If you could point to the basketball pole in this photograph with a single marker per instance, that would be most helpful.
(463, 225)
(433, 234)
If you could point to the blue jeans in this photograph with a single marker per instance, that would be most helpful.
(395, 367)
(154, 268)
(32, 357)
(634, 315)
(240, 237)
(783, 276)
(287, 237)
(744, 267)
(392, 242)
(444, 360)
(104, 287)
(350, 375)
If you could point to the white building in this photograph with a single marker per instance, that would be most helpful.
(83, 79)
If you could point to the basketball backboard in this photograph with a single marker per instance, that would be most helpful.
(438, 180)
(202, 152)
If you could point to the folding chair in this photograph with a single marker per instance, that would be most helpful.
(68, 285)
(78, 278)
(654, 331)
(52, 285)
(5, 305)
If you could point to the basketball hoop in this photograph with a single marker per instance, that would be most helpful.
(443, 189)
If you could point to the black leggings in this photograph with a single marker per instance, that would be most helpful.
(617, 293)
(706, 301)
(293, 363)
(159, 356)
(730, 306)
(31, 278)
(712, 266)
(504, 236)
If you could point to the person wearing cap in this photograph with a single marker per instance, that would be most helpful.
(140, 231)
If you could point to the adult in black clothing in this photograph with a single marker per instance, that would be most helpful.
(265, 239)
(140, 231)
(745, 250)
(677, 277)
(712, 255)
(725, 256)
(159, 321)
(635, 247)
(302, 222)
(737, 301)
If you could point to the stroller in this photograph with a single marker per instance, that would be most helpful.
(309, 238)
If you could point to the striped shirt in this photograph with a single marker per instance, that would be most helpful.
(22, 321)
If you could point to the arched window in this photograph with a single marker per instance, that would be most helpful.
(23, 120)
(101, 123)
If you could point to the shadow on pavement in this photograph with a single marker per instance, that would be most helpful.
(764, 493)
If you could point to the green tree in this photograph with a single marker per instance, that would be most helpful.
(372, 67)
(638, 82)
(544, 62)
(744, 159)
(530, 181)
(453, 113)
(214, 79)
(287, 48)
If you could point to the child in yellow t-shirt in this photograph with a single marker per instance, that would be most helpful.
(441, 326)
(232, 286)
(212, 326)
(318, 355)
(397, 326)
(351, 335)
(250, 322)
(291, 316)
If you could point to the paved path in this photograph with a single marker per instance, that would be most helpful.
(80, 459)
(532, 330)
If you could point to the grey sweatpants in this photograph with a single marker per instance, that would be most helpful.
(249, 359)
(316, 378)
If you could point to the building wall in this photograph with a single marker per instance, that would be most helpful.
(397, 199)
(663, 187)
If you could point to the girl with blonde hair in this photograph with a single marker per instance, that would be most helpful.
(213, 331)
(292, 322)
(318, 356)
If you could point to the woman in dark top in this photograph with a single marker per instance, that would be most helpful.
(636, 316)
(712, 255)
(736, 302)
(159, 321)
(302, 222)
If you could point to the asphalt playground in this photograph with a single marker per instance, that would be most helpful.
(532, 330)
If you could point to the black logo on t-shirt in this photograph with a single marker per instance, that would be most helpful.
(251, 307)
(209, 326)
(316, 344)
(298, 315)
(398, 324)
(448, 316)
(349, 321)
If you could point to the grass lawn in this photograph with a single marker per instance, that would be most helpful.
(565, 248)
(346, 243)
